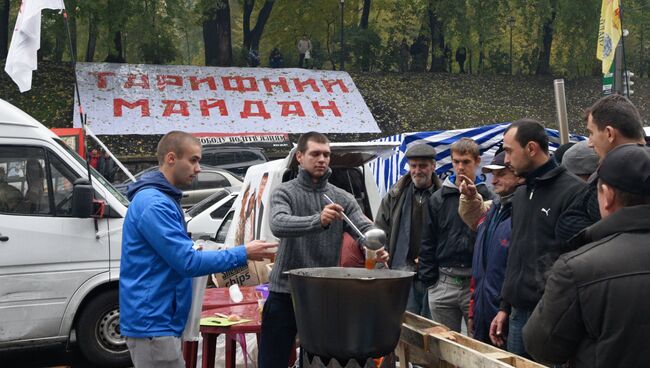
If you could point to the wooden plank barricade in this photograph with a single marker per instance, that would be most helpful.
(430, 344)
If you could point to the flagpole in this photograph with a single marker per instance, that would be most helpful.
(82, 116)
(625, 74)
(73, 56)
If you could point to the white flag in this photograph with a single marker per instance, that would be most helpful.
(26, 40)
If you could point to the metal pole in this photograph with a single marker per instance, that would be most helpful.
(618, 69)
(560, 106)
(342, 38)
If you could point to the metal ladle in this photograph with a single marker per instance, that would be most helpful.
(373, 239)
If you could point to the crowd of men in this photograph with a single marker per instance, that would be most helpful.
(550, 265)
(547, 265)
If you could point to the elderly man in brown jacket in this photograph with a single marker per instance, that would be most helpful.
(403, 213)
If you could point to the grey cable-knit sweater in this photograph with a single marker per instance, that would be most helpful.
(295, 219)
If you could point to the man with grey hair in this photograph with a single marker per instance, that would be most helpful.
(402, 213)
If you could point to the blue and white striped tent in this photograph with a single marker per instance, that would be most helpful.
(489, 138)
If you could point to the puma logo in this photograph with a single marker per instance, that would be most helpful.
(546, 211)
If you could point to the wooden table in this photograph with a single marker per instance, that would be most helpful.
(216, 298)
(210, 333)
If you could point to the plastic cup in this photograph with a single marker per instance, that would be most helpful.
(371, 258)
(235, 293)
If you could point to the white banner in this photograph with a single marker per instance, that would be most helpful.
(155, 99)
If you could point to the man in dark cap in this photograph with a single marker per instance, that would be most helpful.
(581, 160)
(492, 220)
(402, 214)
(594, 311)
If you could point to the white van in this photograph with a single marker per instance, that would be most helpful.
(249, 217)
(59, 248)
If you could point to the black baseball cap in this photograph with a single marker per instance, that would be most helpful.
(627, 168)
(497, 163)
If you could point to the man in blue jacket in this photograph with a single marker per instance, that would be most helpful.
(493, 220)
(158, 260)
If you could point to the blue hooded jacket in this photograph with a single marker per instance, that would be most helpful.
(158, 261)
(489, 266)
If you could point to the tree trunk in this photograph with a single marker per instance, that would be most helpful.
(72, 23)
(544, 60)
(223, 35)
(365, 14)
(116, 54)
(253, 36)
(365, 47)
(437, 42)
(210, 40)
(116, 50)
(4, 28)
(216, 36)
(93, 32)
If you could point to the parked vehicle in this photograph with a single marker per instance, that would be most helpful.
(59, 247)
(204, 218)
(209, 180)
(234, 158)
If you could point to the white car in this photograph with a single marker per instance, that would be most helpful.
(205, 218)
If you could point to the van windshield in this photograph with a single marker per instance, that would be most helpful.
(96, 175)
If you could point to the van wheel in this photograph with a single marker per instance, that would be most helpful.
(98, 332)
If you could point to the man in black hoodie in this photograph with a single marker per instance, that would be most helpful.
(536, 207)
(448, 243)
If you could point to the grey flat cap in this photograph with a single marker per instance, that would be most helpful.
(580, 159)
(421, 150)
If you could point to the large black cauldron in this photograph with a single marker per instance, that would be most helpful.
(349, 313)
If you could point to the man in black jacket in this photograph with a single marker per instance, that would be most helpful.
(594, 311)
(448, 243)
(536, 207)
(611, 121)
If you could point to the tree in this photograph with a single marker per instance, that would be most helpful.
(216, 34)
(544, 60)
(365, 46)
(5, 6)
(252, 36)
(437, 38)
(117, 12)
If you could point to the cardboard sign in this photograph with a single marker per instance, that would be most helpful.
(250, 222)
(155, 99)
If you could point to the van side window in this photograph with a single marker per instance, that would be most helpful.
(29, 186)
(62, 182)
(23, 187)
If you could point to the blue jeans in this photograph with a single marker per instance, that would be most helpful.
(518, 318)
(278, 331)
(418, 301)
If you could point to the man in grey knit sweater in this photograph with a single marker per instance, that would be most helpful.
(310, 233)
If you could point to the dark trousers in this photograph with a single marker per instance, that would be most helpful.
(278, 331)
(418, 301)
(302, 60)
